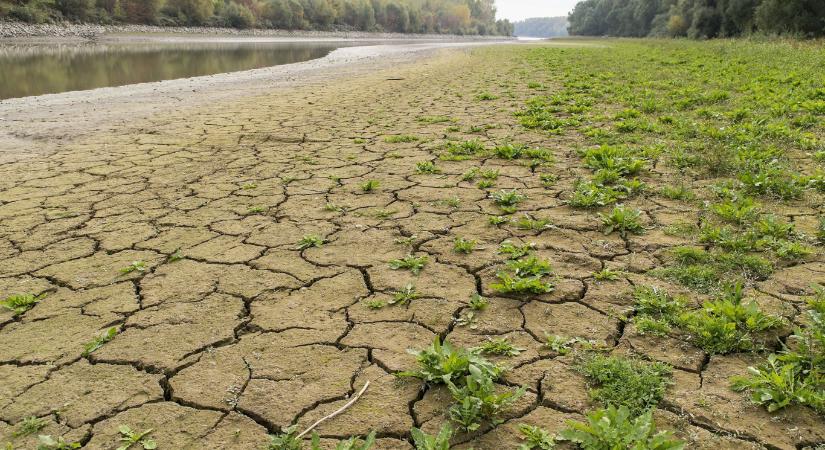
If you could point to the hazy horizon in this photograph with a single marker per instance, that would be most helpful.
(524, 9)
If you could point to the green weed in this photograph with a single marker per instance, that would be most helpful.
(622, 220)
(128, 438)
(478, 400)
(46, 442)
(623, 382)
(370, 185)
(478, 303)
(441, 441)
(309, 241)
(29, 426)
(618, 428)
(465, 246)
(410, 262)
(20, 303)
(405, 295)
(535, 438)
(499, 346)
(136, 266)
(507, 200)
(426, 167)
(400, 139)
(99, 341)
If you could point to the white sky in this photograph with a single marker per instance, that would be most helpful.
(523, 9)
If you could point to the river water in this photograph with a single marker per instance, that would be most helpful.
(37, 69)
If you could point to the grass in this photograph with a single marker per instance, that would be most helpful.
(410, 262)
(29, 426)
(135, 266)
(623, 221)
(20, 303)
(507, 200)
(401, 139)
(499, 346)
(426, 167)
(625, 383)
(465, 246)
(99, 341)
(310, 241)
(370, 185)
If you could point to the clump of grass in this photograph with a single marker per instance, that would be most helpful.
(462, 150)
(410, 262)
(507, 200)
(486, 96)
(136, 266)
(426, 167)
(794, 375)
(400, 139)
(370, 185)
(252, 210)
(528, 223)
(434, 119)
(375, 304)
(249, 186)
(619, 428)
(99, 341)
(548, 179)
(525, 276)
(739, 211)
(309, 241)
(706, 271)
(514, 251)
(498, 220)
(606, 274)
(29, 426)
(470, 174)
(622, 220)
(623, 382)
(465, 246)
(20, 303)
(499, 346)
(678, 192)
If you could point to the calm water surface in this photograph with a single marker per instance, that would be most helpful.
(50, 68)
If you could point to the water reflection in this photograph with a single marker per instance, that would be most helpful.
(42, 69)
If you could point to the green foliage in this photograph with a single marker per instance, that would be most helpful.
(136, 266)
(426, 167)
(99, 341)
(46, 442)
(514, 251)
(440, 363)
(29, 426)
(617, 428)
(410, 262)
(680, 192)
(441, 441)
(524, 276)
(370, 185)
(400, 139)
(507, 200)
(535, 438)
(622, 220)
(479, 400)
(626, 383)
(129, 438)
(478, 303)
(606, 275)
(796, 375)
(354, 443)
(20, 303)
(465, 246)
(405, 295)
(286, 440)
(499, 346)
(309, 241)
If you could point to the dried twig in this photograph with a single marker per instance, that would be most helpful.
(339, 411)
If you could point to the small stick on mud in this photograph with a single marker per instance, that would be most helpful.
(339, 411)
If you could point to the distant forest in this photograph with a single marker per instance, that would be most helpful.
(543, 27)
(698, 18)
(402, 16)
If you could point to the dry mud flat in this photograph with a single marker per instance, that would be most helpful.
(182, 232)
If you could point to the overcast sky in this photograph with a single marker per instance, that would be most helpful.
(523, 9)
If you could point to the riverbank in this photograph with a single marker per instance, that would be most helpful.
(72, 31)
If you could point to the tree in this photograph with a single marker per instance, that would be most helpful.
(141, 11)
(197, 12)
(75, 9)
(806, 17)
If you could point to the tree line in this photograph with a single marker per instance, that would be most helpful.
(543, 27)
(698, 18)
(475, 17)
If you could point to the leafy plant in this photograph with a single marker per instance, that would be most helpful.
(370, 185)
(410, 262)
(99, 341)
(478, 400)
(507, 200)
(426, 167)
(536, 438)
(624, 382)
(128, 438)
(136, 266)
(498, 220)
(616, 428)
(286, 440)
(309, 241)
(499, 346)
(441, 441)
(514, 251)
(622, 220)
(400, 139)
(46, 442)
(478, 303)
(20, 303)
(354, 443)
(405, 295)
(524, 276)
(440, 363)
(606, 274)
(463, 245)
(29, 426)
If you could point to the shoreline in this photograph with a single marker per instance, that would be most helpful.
(43, 124)
(62, 32)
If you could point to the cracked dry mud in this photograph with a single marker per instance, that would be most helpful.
(246, 334)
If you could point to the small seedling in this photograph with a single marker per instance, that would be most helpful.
(426, 167)
(99, 341)
(249, 186)
(354, 443)
(606, 275)
(176, 256)
(514, 251)
(309, 241)
(136, 266)
(410, 262)
(507, 200)
(129, 438)
(486, 96)
(465, 246)
(485, 184)
(406, 241)
(548, 179)
(499, 346)
(286, 440)
(331, 207)
(400, 139)
(46, 442)
(20, 303)
(498, 220)
(375, 304)
(405, 295)
(370, 185)
(252, 210)
(470, 175)
(29, 426)
(478, 303)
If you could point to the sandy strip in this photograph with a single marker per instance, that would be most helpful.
(33, 125)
